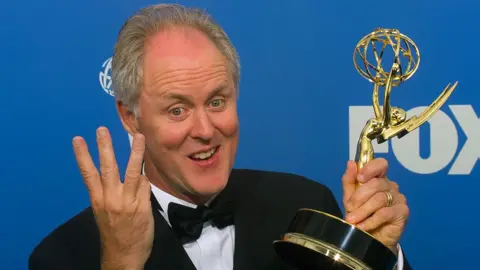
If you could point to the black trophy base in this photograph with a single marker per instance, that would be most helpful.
(316, 240)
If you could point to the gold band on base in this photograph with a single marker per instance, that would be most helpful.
(328, 250)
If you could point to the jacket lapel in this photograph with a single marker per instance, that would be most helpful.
(253, 244)
(167, 251)
(255, 224)
(246, 242)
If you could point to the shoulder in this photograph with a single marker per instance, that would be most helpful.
(285, 190)
(76, 240)
(280, 181)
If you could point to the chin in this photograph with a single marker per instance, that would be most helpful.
(209, 176)
(209, 184)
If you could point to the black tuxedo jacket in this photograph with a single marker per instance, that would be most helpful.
(265, 203)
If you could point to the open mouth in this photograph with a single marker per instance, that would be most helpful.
(204, 155)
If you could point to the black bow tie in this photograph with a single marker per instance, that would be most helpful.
(188, 222)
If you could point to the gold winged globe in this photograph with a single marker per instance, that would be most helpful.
(318, 240)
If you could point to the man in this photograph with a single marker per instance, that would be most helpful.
(175, 76)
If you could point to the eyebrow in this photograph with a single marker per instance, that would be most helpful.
(175, 96)
(224, 87)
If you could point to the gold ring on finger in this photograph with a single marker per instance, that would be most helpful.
(389, 198)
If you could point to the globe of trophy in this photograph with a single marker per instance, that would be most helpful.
(319, 240)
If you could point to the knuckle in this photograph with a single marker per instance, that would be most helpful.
(144, 180)
(405, 210)
(384, 215)
(86, 173)
(370, 223)
(364, 212)
(394, 185)
(96, 203)
(145, 190)
(380, 199)
(129, 210)
(377, 183)
(145, 210)
(402, 199)
(113, 207)
(353, 200)
(132, 174)
(367, 169)
(108, 170)
(385, 184)
(138, 145)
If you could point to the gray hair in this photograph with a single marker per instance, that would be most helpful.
(127, 62)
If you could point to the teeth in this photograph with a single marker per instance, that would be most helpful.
(205, 155)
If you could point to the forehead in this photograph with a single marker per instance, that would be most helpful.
(180, 56)
(180, 48)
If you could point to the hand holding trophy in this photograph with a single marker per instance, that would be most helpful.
(318, 240)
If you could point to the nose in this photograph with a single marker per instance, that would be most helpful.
(202, 128)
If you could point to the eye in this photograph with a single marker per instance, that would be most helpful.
(217, 103)
(176, 111)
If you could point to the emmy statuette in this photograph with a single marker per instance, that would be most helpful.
(318, 240)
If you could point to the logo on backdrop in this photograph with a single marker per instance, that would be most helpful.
(105, 77)
(445, 148)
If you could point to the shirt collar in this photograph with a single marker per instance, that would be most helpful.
(164, 198)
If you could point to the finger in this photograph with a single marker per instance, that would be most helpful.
(134, 168)
(372, 205)
(144, 193)
(87, 168)
(394, 185)
(375, 168)
(144, 190)
(396, 214)
(108, 164)
(399, 198)
(365, 192)
(349, 180)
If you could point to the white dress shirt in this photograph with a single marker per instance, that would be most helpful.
(215, 247)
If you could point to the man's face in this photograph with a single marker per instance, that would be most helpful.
(188, 113)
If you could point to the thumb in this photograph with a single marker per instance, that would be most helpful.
(349, 181)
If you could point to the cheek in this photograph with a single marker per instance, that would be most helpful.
(227, 123)
(167, 136)
(172, 136)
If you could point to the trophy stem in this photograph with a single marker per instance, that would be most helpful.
(376, 105)
(365, 151)
(387, 114)
(375, 126)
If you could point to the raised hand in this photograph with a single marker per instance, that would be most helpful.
(122, 210)
(369, 207)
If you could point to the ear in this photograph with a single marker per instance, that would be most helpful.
(129, 121)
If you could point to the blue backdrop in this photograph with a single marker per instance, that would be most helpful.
(302, 103)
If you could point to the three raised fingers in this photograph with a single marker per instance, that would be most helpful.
(107, 183)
